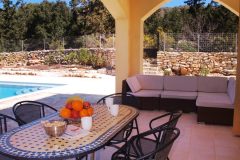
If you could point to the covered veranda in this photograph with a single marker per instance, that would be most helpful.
(197, 141)
(129, 18)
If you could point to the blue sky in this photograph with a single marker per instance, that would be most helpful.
(172, 3)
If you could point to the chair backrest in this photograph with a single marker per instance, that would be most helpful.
(28, 111)
(137, 148)
(125, 99)
(5, 122)
(168, 136)
(171, 123)
(120, 98)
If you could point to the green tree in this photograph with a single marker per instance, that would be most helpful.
(9, 25)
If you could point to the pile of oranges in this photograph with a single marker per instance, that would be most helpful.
(76, 108)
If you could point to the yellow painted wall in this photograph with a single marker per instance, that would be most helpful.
(236, 119)
(232, 5)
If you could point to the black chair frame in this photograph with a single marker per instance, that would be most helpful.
(135, 144)
(3, 122)
(173, 119)
(39, 104)
(126, 99)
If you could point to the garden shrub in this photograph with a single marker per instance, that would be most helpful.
(187, 46)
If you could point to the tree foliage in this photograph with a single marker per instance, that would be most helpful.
(195, 17)
(53, 20)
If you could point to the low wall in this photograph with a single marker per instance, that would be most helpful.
(224, 63)
(39, 57)
(194, 63)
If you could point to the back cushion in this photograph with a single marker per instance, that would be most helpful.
(133, 84)
(231, 89)
(180, 83)
(152, 82)
(212, 84)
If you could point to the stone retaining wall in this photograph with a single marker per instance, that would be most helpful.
(192, 63)
(38, 57)
(195, 63)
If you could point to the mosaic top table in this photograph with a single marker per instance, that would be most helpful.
(31, 142)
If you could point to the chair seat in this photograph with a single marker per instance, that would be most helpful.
(147, 146)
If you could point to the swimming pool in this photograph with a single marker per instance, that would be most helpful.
(10, 89)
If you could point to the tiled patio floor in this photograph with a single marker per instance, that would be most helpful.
(196, 141)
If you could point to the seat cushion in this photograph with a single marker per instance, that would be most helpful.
(179, 95)
(216, 100)
(147, 93)
(180, 83)
(151, 82)
(133, 84)
(212, 84)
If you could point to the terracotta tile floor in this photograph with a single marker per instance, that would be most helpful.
(196, 141)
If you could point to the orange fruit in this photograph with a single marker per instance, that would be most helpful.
(90, 111)
(77, 105)
(84, 113)
(65, 113)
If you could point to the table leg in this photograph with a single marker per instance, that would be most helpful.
(92, 156)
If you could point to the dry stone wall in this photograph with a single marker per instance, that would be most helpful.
(39, 57)
(190, 63)
(195, 63)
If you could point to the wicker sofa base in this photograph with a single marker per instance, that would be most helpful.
(185, 105)
(210, 115)
(149, 103)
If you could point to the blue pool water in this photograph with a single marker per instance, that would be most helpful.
(10, 89)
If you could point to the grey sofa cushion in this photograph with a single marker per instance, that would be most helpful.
(151, 82)
(180, 83)
(147, 93)
(179, 95)
(231, 89)
(133, 84)
(212, 84)
(216, 100)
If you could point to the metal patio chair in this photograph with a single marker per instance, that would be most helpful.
(28, 111)
(5, 122)
(149, 146)
(141, 147)
(125, 99)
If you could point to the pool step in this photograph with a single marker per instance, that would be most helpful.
(27, 90)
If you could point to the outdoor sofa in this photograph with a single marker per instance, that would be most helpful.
(211, 97)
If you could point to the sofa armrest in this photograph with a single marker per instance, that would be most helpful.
(231, 89)
(125, 87)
